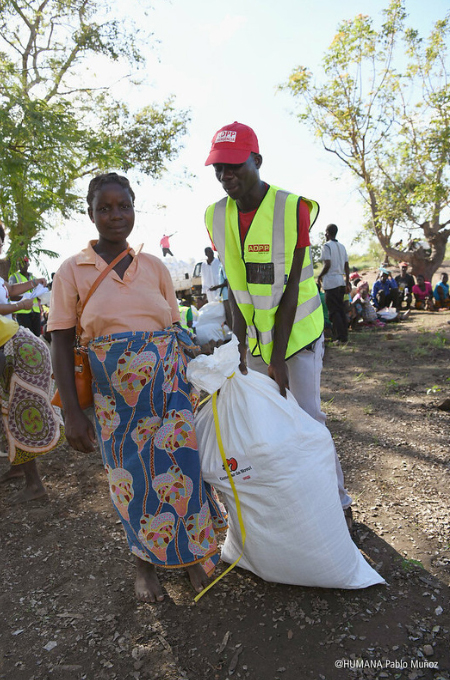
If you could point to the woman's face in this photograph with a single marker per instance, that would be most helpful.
(112, 213)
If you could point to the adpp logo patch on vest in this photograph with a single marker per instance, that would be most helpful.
(225, 136)
(259, 248)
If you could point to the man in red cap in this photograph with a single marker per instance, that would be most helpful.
(262, 236)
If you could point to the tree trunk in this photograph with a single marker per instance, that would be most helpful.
(420, 260)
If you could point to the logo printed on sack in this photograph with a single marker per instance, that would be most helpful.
(259, 248)
(240, 469)
(225, 136)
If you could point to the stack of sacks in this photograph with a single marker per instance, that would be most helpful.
(180, 271)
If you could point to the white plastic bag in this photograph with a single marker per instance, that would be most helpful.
(211, 318)
(283, 466)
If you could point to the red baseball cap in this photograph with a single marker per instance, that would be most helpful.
(233, 144)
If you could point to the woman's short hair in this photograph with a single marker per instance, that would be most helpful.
(107, 178)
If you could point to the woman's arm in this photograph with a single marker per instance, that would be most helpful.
(17, 289)
(79, 429)
(16, 307)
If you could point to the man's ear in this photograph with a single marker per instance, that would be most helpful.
(258, 160)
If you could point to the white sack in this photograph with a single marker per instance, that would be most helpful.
(285, 475)
(209, 326)
(209, 331)
(212, 312)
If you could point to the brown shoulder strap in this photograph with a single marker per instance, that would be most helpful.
(98, 281)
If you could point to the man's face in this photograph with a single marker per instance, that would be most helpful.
(444, 278)
(404, 270)
(384, 277)
(238, 180)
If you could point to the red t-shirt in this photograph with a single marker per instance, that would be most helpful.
(246, 218)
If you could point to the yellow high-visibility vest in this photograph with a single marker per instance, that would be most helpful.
(20, 278)
(258, 271)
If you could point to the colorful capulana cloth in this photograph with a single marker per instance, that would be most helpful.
(145, 427)
(29, 423)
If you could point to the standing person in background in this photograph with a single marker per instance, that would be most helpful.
(211, 276)
(144, 404)
(222, 287)
(165, 245)
(29, 425)
(405, 283)
(261, 235)
(28, 318)
(335, 267)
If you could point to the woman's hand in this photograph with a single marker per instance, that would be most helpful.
(26, 303)
(79, 430)
(41, 281)
(191, 351)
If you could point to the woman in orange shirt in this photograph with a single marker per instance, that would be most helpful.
(143, 402)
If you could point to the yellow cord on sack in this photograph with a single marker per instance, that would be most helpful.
(236, 498)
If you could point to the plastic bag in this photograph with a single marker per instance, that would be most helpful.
(209, 326)
(283, 466)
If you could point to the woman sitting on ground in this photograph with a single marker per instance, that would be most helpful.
(423, 294)
(364, 307)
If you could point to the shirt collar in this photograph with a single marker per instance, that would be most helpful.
(89, 256)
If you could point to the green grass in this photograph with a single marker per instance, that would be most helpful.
(410, 565)
(362, 262)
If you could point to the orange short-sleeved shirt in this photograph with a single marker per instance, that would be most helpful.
(143, 301)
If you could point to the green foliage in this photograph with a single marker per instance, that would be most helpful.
(434, 390)
(411, 565)
(57, 124)
(390, 127)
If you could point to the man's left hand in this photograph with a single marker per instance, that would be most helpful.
(278, 372)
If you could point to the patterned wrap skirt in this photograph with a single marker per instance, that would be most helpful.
(145, 426)
(29, 425)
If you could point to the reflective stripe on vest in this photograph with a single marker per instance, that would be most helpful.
(275, 228)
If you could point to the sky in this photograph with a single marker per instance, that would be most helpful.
(224, 62)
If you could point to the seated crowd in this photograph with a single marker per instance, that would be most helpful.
(389, 295)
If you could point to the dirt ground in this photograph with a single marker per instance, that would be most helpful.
(67, 603)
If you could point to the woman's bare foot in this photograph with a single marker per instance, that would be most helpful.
(14, 472)
(147, 586)
(197, 576)
(34, 487)
(30, 493)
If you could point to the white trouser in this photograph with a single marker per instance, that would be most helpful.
(304, 370)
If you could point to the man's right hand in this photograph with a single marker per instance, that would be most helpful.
(243, 355)
(80, 432)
